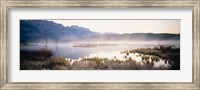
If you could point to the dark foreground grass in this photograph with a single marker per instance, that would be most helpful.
(35, 55)
(170, 53)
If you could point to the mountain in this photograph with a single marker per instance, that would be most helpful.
(40, 30)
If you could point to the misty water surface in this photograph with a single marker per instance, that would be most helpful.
(68, 50)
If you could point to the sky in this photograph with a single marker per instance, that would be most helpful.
(126, 26)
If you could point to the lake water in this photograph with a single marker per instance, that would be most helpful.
(75, 50)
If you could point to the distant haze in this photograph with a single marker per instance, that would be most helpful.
(126, 26)
(40, 30)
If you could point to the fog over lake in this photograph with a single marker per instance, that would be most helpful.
(100, 44)
(74, 50)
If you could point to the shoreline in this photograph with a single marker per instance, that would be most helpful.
(136, 59)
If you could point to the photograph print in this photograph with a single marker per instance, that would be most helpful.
(100, 44)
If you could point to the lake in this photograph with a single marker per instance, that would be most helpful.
(75, 50)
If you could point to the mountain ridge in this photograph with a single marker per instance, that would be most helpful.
(39, 30)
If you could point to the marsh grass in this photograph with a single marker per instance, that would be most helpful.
(43, 54)
(44, 60)
(170, 53)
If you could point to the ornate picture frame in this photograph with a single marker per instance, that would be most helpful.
(4, 43)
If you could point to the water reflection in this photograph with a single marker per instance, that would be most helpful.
(107, 56)
(124, 56)
(77, 50)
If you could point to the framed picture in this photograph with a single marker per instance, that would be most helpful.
(103, 44)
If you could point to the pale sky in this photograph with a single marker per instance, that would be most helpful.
(126, 26)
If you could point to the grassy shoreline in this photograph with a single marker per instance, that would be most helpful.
(44, 59)
(170, 53)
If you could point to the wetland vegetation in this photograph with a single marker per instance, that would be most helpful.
(157, 58)
(99, 45)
